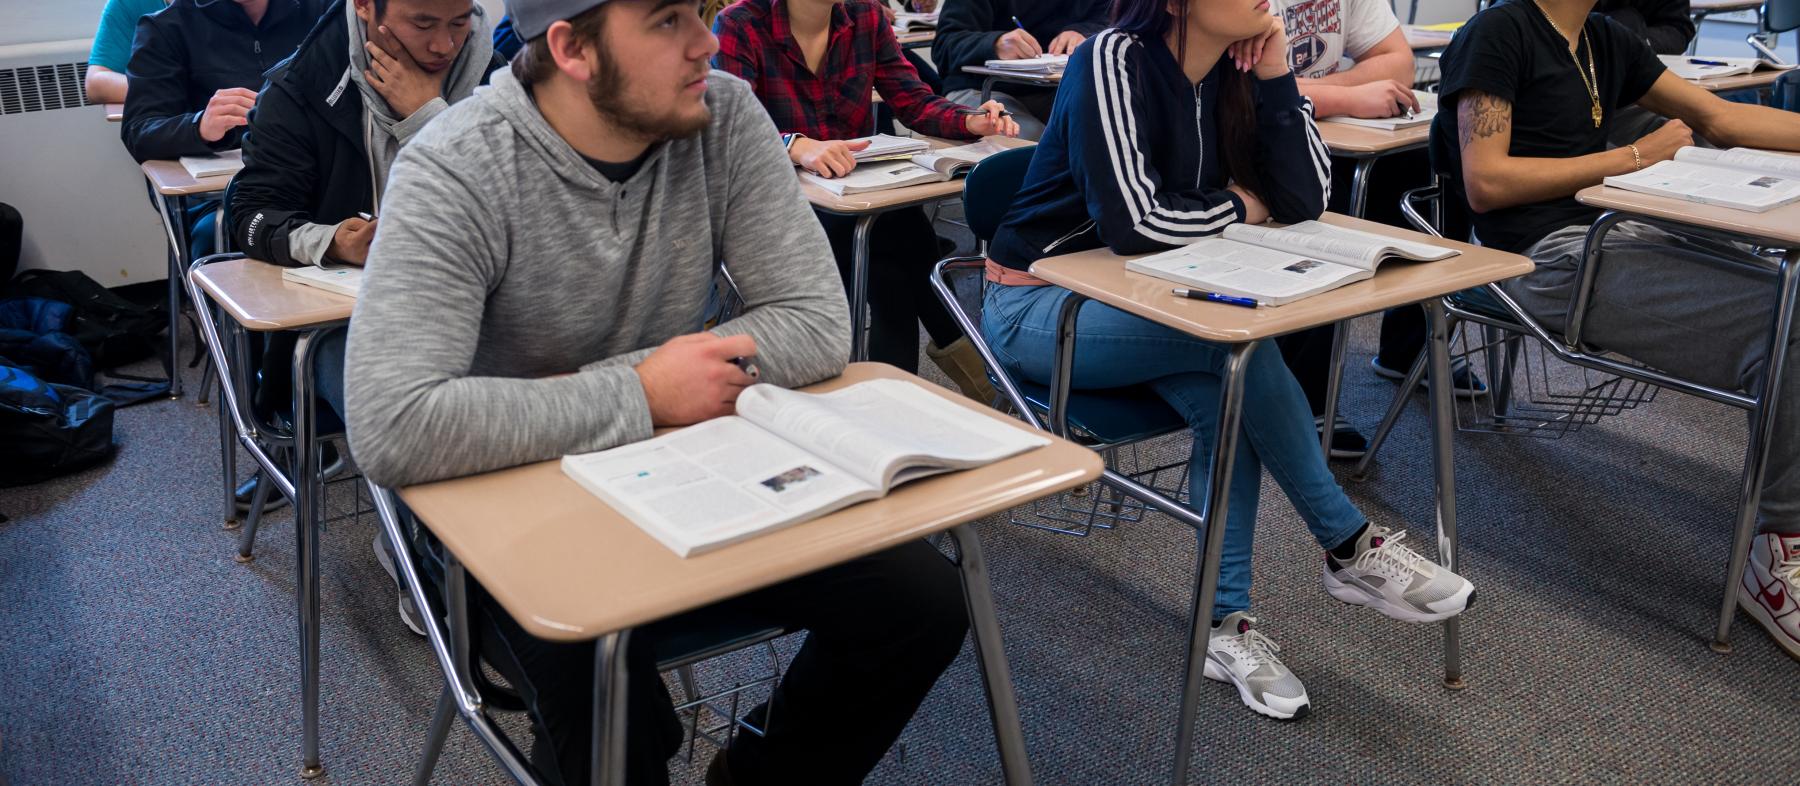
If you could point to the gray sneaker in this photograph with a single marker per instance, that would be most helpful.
(1241, 655)
(1388, 576)
(409, 612)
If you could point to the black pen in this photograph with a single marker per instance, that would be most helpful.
(1003, 113)
(1196, 294)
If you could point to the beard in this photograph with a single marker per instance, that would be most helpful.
(606, 90)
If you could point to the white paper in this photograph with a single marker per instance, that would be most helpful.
(875, 176)
(342, 280)
(1229, 267)
(1738, 189)
(1428, 107)
(883, 145)
(1040, 64)
(1684, 67)
(1744, 158)
(224, 163)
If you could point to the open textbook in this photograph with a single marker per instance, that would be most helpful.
(935, 166)
(1688, 67)
(788, 457)
(1739, 178)
(1280, 265)
(911, 21)
(226, 162)
(344, 280)
(889, 146)
(1042, 64)
(1428, 106)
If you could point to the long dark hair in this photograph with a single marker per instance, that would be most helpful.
(1236, 109)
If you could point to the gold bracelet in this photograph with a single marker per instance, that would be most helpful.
(1637, 160)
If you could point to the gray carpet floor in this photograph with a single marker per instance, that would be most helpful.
(138, 651)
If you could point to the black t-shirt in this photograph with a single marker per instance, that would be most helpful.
(619, 171)
(1510, 51)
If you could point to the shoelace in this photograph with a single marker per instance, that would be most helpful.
(1789, 571)
(1391, 559)
(1254, 648)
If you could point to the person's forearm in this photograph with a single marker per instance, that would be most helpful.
(1751, 125)
(105, 86)
(1397, 66)
(1328, 100)
(1516, 181)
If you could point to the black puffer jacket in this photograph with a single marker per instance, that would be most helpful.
(305, 160)
(185, 53)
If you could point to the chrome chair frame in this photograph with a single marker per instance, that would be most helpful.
(1762, 406)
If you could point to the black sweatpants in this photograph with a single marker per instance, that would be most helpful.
(902, 249)
(1403, 329)
(880, 630)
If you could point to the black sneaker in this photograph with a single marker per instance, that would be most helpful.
(1346, 441)
(1463, 382)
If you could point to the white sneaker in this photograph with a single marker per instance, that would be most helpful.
(1391, 578)
(1770, 591)
(1243, 656)
(409, 612)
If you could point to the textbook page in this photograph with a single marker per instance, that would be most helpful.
(715, 483)
(1710, 67)
(1342, 245)
(950, 160)
(1738, 189)
(884, 431)
(1042, 64)
(886, 145)
(1269, 276)
(876, 176)
(1743, 158)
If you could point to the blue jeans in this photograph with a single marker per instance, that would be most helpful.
(1116, 349)
(328, 369)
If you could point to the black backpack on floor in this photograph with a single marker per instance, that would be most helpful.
(115, 330)
(49, 430)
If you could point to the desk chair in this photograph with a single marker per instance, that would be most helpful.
(1104, 420)
(1776, 17)
(469, 693)
(1609, 383)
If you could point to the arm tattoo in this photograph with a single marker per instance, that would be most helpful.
(1481, 115)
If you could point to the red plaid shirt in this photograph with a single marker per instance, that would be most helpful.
(756, 45)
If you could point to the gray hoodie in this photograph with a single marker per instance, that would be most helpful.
(511, 287)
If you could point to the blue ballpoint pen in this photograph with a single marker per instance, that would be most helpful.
(1196, 294)
(1698, 61)
(1017, 23)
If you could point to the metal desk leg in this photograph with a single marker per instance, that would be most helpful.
(1443, 464)
(1762, 434)
(1359, 186)
(1231, 410)
(990, 653)
(859, 288)
(174, 215)
(607, 765)
(1062, 374)
(1340, 333)
(305, 476)
(228, 459)
(987, 90)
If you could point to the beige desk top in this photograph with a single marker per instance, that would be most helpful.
(1425, 39)
(1101, 275)
(1362, 141)
(169, 178)
(255, 295)
(918, 38)
(114, 112)
(1778, 227)
(894, 198)
(1015, 76)
(570, 568)
(1721, 84)
(1723, 6)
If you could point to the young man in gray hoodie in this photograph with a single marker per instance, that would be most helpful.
(536, 288)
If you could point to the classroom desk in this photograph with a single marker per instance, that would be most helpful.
(916, 39)
(173, 186)
(1758, 80)
(570, 568)
(114, 112)
(1421, 39)
(991, 75)
(1366, 145)
(1101, 275)
(868, 207)
(255, 297)
(1778, 228)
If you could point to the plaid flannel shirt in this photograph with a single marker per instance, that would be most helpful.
(861, 54)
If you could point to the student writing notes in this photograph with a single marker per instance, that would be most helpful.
(813, 64)
(535, 290)
(1180, 121)
(972, 32)
(1531, 91)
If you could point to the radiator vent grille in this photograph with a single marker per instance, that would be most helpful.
(42, 88)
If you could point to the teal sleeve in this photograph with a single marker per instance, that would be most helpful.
(118, 24)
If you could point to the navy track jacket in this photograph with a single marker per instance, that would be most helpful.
(1130, 159)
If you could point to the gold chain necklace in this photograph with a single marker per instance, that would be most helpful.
(1591, 79)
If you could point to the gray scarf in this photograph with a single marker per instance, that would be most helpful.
(380, 135)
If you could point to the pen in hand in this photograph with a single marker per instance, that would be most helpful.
(1017, 23)
(978, 111)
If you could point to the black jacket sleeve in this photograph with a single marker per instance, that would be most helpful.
(1099, 12)
(966, 32)
(158, 122)
(1665, 24)
(271, 195)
